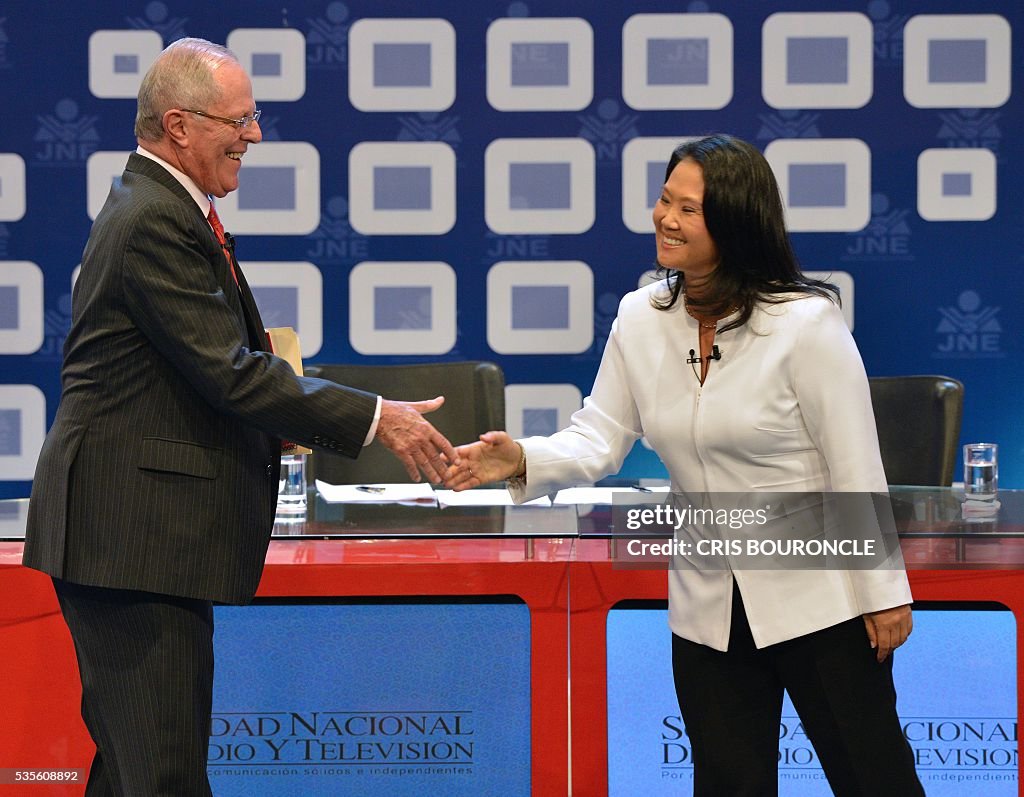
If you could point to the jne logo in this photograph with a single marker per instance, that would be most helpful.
(788, 124)
(970, 128)
(334, 241)
(886, 238)
(157, 18)
(327, 38)
(608, 130)
(968, 330)
(888, 31)
(504, 247)
(429, 126)
(64, 137)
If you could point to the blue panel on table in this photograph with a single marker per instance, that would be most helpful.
(955, 679)
(396, 699)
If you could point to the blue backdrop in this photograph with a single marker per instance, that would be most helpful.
(444, 180)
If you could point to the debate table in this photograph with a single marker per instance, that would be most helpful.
(556, 561)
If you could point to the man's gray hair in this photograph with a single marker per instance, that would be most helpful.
(181, 77)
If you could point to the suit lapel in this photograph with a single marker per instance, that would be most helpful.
(238, 296)
(253, 322)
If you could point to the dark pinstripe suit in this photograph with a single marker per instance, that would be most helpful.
(160, 472)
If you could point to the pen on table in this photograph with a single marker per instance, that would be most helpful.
(365, 488)
(640, 488)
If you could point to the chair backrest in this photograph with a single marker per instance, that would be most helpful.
(474, 403)
(918, 420)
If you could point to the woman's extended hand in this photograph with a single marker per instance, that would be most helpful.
(495, 457)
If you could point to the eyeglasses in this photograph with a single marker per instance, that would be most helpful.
(243, 123)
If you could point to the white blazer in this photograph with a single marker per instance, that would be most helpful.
(786, 408)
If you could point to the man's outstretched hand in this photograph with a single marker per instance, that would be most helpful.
(410, 437)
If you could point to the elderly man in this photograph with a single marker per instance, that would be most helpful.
(155, 491)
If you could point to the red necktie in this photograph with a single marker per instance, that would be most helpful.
(218, 230)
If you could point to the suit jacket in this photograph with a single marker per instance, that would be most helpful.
(160, 471)
(786, 409)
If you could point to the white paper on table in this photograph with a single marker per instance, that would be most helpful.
(412, 493)
(485, 497)
(600, 495)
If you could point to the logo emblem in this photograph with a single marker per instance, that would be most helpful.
(64, 137)
(327, 38)
(157, 19)
(886, 238)
(430, 126)
(334, 241)
(969, 330)
(788, 124)
(608, 130)
(970, 128)
(888, 28)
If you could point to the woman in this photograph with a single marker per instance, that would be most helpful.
(778, 402)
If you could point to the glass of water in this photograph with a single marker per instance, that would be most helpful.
(981, 471)
(291, 488)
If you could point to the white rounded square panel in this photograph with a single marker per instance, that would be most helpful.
(401, 188)
(956, 184)
(825, 183)
(402, 308)
(289, 294)
(957, 61)
(540, 64)
(677, 61)
(12, 187)
(540, 307)
(539, 185)
(21, 307)
(401, 64)
(119, 59)
(275, 59)
(22, 430)
(817, 60)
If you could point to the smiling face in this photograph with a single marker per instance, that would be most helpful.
(684, 243)
(212, 150)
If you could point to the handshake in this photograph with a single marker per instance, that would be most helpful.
(420, 447)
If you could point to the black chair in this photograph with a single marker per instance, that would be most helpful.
(474, 394)
(918, 420)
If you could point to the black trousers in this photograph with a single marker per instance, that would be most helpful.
(731, 704)
(146, 663)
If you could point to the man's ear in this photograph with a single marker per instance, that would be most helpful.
(176, 127)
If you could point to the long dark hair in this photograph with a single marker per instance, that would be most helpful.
(744, 216)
